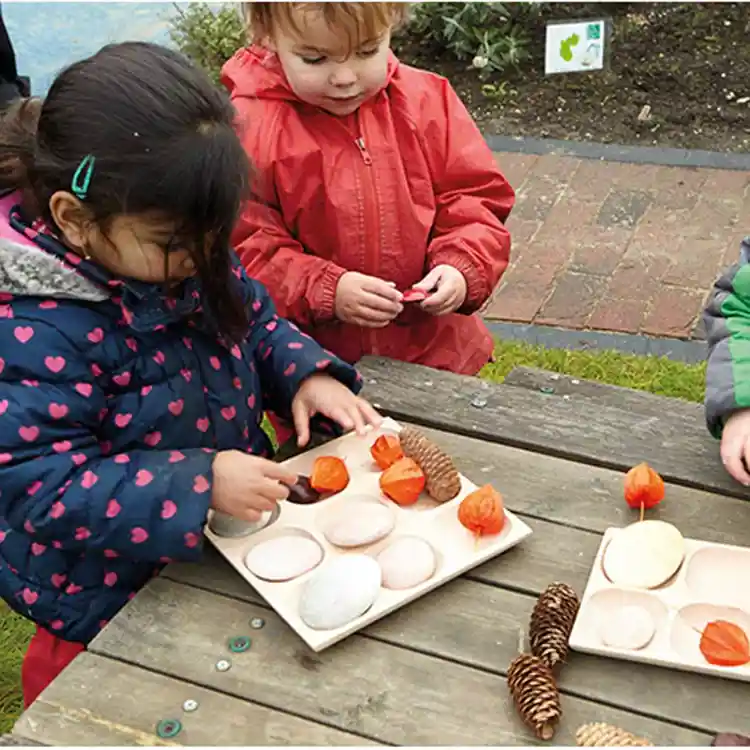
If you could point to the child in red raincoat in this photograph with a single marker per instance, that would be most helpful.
(372, 180)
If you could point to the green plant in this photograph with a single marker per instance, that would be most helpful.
(209, 38)
(493, 36)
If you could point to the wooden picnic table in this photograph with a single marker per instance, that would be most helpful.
(432, 673)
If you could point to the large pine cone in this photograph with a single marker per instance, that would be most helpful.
(442, 480)
(535, 693)
(552, 622)
(605, 735)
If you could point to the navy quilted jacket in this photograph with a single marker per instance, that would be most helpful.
(113, 401)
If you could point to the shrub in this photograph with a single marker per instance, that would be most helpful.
(209, 38)
(492, 36)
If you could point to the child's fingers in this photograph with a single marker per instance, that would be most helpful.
(732, 456)
(442, 298)
(369, 413)
(430, 281)
(279, 473)
(301, 419)
(373, 302)
(383, 289)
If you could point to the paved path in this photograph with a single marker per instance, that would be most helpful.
(618, 247)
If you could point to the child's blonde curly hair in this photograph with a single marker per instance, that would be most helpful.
(356, 22)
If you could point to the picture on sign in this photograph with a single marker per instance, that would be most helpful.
(575, 46)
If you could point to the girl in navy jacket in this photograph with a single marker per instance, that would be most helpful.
(136, 357)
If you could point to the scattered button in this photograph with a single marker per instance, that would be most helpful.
(239, 644)
(168, 728)
(223, 665)
(257, 623)
(190, 705)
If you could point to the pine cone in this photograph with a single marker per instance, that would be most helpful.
(535, 693)
(606, 735)
(552, 622)
(442, 480)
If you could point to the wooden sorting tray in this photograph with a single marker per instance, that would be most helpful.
(711, 584)
(457, 550)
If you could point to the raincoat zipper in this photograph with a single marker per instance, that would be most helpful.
(371, 228)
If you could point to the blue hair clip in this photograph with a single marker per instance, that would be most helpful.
(82, 177)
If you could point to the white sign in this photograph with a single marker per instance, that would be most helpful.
(575, 46)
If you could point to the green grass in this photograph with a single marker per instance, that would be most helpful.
(657, 375)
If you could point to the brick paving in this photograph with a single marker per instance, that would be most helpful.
(617, 247)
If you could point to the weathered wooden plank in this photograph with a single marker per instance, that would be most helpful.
(97, 701)
(478, 624)
(8, 740)
(642, 402)
(362, 685)
(589, 497)
(572, 428)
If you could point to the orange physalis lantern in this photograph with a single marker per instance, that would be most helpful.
(725, 644)
(482, 512)
(644, 488)
(403, 482)
(329, 474)
(386, 450)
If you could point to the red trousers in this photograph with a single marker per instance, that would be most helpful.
(45, 658)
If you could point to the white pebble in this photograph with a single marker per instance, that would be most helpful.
(283, 558)
(407, 562)
(630, 628)
(340, 592)
(359, 523)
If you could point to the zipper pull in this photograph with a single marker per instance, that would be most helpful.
(363, 150)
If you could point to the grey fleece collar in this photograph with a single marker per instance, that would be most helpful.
(30, 271)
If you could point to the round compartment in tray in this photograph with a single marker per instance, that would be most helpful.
(719, 574)
(356, 521)
(622, 619)
(407, 561)
(224, 525)
(456, 539)
(284, 554)
(690, 622)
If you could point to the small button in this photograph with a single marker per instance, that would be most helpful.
(223, 665)
(190, 705)
(239, 644)
(257, 623)
(168, 728)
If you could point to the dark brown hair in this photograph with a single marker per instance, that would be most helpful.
(163, 139)
(355, 22)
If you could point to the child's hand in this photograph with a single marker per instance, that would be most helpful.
(735, 446)
(367, 301)
(450, 290)
(322, 394)
(245, 486)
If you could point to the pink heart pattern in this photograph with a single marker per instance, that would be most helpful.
(131, 431)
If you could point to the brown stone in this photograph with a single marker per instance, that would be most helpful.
(674, 312)
(622, 315)
(543, 187)
(599, 250)
(572, 301)
(696, 264)
(623, 208)
(515, 167)
(637, 278)
(517, 303)
(521, 231)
